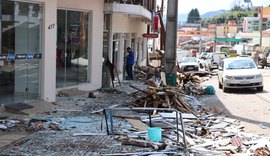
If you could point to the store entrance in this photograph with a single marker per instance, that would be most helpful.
(72, 48)
(20, 55)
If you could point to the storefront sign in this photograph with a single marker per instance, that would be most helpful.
(38, 56)
(150, 35)
(30, 56)
(12, 56)
(3, 57)
(20, 56)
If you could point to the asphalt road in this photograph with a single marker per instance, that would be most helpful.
(252, 108)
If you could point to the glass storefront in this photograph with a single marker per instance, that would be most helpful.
(72, 48)
(21, 51)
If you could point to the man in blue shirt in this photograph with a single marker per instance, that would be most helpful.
(129, 63)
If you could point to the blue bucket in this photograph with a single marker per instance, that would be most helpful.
(154, 134)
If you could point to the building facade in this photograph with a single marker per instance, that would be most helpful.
(51, 45)
(252, 24)
(125, 23)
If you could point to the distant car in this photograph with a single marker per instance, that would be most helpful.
(213, 60)
(239, 72)
(203, 55)
(188, 64)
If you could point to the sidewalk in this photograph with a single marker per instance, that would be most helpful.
(80, 133)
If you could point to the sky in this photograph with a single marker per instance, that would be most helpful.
(203, 6)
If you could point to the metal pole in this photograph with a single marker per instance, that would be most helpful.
(200, 48)
(111, 120)
(183, 130)
(177, 128)
(171, 35)
(261, 18)
(150, 119)
(107, 126)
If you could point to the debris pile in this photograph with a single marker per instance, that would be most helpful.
(7, 123)
(187, 82)
(43, 124)
(162, 97)
(208, 134)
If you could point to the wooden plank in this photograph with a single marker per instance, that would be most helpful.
(163, 78)
(173, 115)
(137, 124)
(219, 125)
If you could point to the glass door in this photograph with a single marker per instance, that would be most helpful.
(72, 48)
(20, 57)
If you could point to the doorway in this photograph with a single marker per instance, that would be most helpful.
(20, 55)
(72, 48)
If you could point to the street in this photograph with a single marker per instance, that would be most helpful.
(252, 108)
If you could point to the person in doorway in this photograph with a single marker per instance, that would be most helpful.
(129, 63)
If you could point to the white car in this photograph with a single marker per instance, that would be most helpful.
(239, 72)
(188, 64)
(213, 60)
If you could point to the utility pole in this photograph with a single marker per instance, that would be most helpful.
(171, 37)
(200, 46)
(261, 20)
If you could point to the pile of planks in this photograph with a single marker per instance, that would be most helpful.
(161, 97)
(188, 82)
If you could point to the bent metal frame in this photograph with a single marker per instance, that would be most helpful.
(148, 110)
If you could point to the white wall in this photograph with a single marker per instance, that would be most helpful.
(48, 76)
(266, 41)
(122, 23)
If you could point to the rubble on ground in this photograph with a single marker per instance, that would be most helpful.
(85, 130)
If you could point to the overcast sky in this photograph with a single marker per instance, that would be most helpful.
(184, 6)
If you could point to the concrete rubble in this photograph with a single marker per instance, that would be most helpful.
(116, 122)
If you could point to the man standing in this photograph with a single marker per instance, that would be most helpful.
(129, 63)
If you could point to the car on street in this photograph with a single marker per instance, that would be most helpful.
(213, 60)
(203, 55)
(188, 64)
(239, 72)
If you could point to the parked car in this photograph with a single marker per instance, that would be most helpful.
(203, 55)
(188, 64)
(213, 60)
(239, 72)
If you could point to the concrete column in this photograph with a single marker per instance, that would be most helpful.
(139, 59)
(128, 40)
(136, 49)
(120, 55)
(49, 52)
(171, 35)
(145, 47)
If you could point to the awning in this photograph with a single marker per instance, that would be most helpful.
(229, 39)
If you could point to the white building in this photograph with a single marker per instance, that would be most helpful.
(252, 24)
(51, 45)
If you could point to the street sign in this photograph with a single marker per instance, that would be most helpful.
(150, 35)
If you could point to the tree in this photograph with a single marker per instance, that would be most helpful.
(193, 16)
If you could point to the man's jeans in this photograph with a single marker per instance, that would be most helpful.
(129, 71)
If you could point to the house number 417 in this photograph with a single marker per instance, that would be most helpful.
(51, 26)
